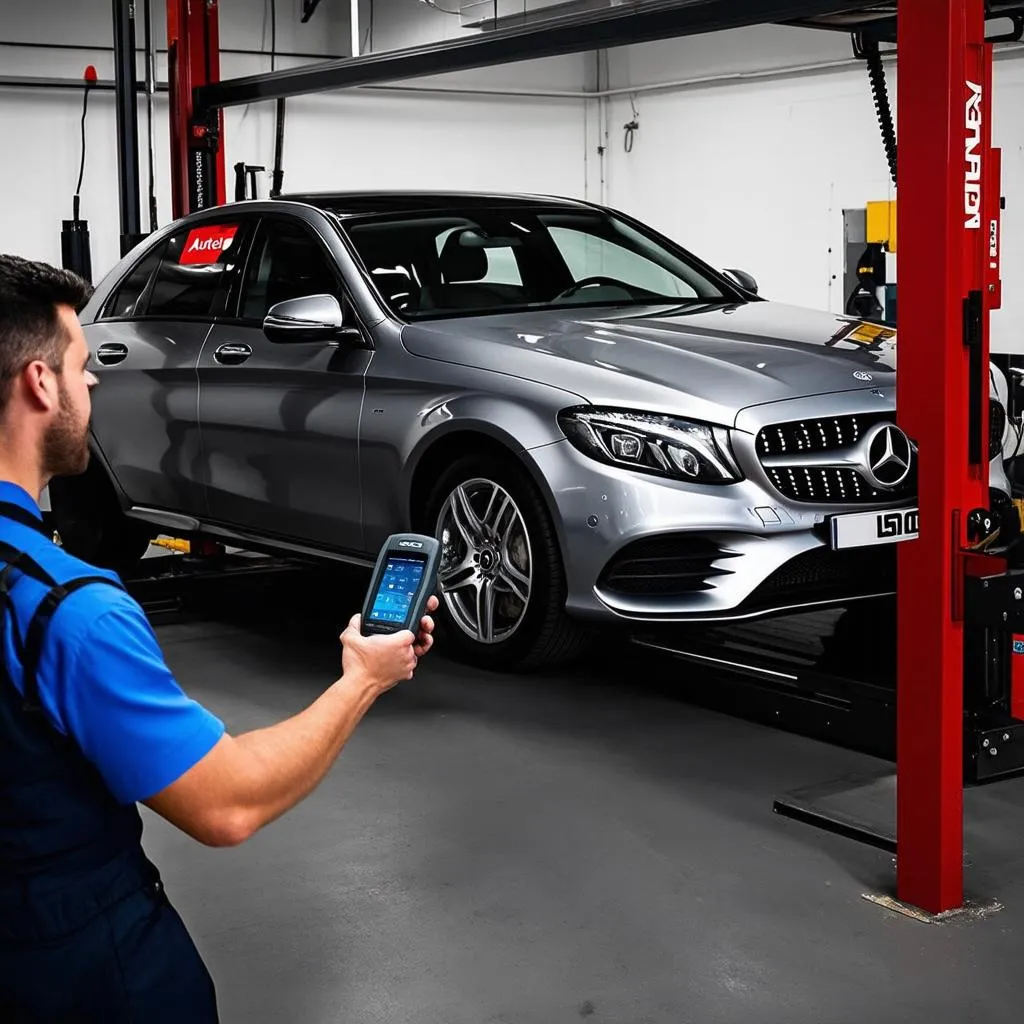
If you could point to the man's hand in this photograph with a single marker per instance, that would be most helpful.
(383, 661)
(245, 782)
(425, 640)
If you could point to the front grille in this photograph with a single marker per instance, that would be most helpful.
(825, 485)
(671, 566)
(832, 486)
(824, 435)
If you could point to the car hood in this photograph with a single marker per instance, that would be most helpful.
(707, 361)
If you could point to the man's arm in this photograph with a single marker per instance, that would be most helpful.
(247, 781)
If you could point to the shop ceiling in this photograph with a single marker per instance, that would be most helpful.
(548, 30)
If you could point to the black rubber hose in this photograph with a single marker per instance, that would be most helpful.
(876, 73)
(76, 202)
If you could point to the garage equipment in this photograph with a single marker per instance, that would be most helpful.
(948, 223)
(76, 252)
(126, 88)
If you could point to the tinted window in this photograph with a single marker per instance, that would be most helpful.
(190, 280)
(125, 300)
(485, 260)
(287, 262)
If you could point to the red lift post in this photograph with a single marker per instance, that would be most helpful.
(948, 216)
(193, 60)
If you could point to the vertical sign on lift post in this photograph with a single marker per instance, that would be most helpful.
(976, 208)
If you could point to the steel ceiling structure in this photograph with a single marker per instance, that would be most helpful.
(640, 22)
(623, 25)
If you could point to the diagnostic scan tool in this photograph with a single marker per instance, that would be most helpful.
(403, 580)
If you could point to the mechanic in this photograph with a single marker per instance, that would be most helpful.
(92, 721)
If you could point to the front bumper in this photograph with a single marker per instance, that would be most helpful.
(648, 549)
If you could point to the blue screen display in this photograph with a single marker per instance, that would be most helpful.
(397, 589)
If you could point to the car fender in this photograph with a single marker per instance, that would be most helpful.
(518, 427)
(515, 425)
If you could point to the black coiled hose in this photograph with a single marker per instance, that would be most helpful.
(876, 73)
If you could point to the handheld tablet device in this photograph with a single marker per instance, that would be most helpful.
(403, 580)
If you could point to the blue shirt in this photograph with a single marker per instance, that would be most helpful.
(102, 677)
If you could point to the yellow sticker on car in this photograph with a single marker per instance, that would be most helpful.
(860, 333)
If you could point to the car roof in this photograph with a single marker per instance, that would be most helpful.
(351, 204)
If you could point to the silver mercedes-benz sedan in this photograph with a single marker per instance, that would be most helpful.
(599, 427)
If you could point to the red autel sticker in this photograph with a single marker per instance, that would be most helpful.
(205, 244)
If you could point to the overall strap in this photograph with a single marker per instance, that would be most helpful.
(35, 635)
(31, 649)
(8, 510)
(18, 559)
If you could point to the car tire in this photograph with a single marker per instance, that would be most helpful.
(522, 537)
(90, 524)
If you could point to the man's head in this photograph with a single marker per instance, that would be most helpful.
(44, 383)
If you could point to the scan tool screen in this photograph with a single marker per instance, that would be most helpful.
(398, 586)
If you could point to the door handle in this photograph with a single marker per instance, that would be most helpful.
(232, 354)
(111, 353)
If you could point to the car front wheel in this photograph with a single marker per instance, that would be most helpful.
(501, 579)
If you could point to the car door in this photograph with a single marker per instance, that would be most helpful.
(280, 420)
(145, 348)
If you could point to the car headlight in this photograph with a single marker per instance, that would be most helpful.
(651, 443)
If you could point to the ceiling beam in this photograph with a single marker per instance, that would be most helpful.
(640, 22)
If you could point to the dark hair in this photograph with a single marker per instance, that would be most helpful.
(30, 328)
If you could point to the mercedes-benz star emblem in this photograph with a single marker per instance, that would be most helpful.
(862, 375)
(889, 456)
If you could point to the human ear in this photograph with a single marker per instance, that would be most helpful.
(40, 386)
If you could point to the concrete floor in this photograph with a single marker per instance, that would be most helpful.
(545, 849)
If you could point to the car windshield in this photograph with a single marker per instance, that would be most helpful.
(504, 259)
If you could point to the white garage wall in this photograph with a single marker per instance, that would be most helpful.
(755, 174)
(357, 139)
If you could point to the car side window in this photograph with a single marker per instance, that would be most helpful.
(287, 262)
(125, 300)
(191, 278)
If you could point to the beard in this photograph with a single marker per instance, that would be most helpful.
(66, 442)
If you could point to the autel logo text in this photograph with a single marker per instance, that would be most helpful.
(204, 245)
(972, 151)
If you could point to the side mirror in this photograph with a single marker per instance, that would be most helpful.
(310, 318)
(746, 281)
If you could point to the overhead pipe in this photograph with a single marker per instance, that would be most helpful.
(94, 48)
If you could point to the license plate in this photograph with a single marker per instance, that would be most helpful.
(865, 529)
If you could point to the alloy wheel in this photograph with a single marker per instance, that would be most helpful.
(486, 566)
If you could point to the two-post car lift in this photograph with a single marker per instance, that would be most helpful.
(949, 225)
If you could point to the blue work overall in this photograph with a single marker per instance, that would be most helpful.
(86, 931)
